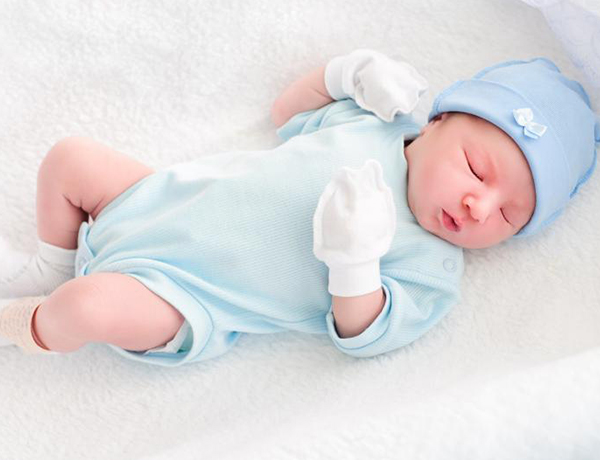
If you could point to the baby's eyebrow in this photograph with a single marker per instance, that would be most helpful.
(491, 162)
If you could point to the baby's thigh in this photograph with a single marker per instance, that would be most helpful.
(89, 173)
(118, 309)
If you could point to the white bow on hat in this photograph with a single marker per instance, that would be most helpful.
(524, 117)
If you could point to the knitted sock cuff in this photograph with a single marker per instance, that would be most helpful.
(16, 324)
(56, 255)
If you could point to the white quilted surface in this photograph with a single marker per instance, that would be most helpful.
(512, 373)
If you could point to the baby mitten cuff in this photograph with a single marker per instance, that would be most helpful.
(16, 324)
(354, 280)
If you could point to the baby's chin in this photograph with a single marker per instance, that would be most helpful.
(456, 239)
(470, 244)
(449, 238)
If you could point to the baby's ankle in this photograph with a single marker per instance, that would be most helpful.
(34, 332)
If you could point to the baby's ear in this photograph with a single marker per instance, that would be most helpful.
(441, 116)
(434, 120)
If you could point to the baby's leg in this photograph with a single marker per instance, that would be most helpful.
(105, 307)
(79, 177)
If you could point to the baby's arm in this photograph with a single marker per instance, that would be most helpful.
(353, 227)
(376, 82)
(352, 315)
(307, 93)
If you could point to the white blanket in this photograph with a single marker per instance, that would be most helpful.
(513, 372)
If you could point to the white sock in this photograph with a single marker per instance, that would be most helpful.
(4, 342)
(23, 275)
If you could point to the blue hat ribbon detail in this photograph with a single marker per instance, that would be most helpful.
(524, 117)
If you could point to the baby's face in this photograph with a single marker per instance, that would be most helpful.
(468, 181)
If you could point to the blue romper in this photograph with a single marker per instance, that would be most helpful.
(227, 240)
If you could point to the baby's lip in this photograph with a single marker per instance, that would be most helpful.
(450, 222)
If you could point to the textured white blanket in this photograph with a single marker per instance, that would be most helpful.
(512, 373)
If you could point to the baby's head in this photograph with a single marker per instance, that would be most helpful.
(502, 154)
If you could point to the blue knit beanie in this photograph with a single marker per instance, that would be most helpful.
(546, 114)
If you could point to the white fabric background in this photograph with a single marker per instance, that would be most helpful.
(512, 372)
(577, 24)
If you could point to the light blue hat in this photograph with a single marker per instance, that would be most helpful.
(548, 116)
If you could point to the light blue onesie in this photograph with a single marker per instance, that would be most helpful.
(227, 239)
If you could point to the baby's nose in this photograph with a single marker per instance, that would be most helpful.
(479, 208)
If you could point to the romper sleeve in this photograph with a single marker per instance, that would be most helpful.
(333, 114)
(414, 303)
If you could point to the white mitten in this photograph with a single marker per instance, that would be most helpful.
(376, 82)
(354, 226)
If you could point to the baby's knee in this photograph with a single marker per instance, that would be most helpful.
(111, 308)
(63, 157)
(77, 306)
(67, 319)
(70, 144)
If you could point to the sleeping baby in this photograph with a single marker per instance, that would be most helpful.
(352, 227)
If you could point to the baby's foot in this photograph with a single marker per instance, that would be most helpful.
(23, 274)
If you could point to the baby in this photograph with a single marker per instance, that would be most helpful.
(353, 227)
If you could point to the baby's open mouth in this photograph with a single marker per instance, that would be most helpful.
(449, 222)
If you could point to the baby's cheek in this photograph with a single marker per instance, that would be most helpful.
(436, 185)
(489, 235)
